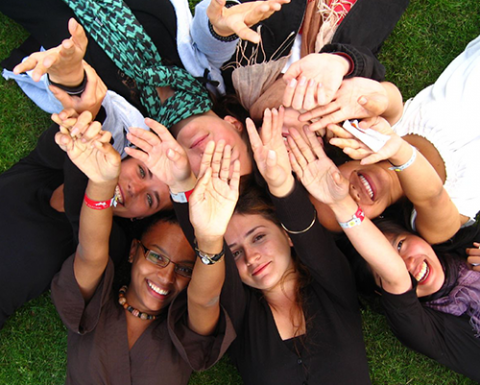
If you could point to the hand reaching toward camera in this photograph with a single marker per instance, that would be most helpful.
(270, 152)
(163, 156)
(90, 149)
(214, 198)
(63, 63)
(239, 18)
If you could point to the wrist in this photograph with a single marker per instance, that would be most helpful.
(402, 156)
(285, 189)
(187, 184)
(211, 244)
(74, 86)
(344, 209)
(345, 62)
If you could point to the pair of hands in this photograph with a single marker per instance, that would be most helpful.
(65, 65)
(89, 147)
(216, 191)
(315, 87)
(307, 159)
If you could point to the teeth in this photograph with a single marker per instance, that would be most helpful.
(367, 185)
(118, 195)
(423, 273)
(156, 289)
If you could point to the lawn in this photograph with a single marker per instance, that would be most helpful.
(33, 342)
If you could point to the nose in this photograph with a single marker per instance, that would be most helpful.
(251, 256)
(354, 193)
(409, 262)
(167, 274)
(135, 187)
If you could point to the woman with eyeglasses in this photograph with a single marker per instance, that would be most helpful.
(131, 336)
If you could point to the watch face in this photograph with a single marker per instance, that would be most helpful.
(206, 260)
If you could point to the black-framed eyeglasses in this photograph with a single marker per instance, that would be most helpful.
(163, 261)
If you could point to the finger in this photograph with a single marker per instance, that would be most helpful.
(339, 131)
(79, 36)
(289, 93)
(300, 159)
(375, 104)
(297, 169)
(254, 137)
(474, 261)
(105, 137)
(266, 133)
(160, 130)
(235, 178)
(293, 72)
(62, 96)
(138, 141)
(216, 162)
(91, 132)
(207, 157)
(320, 111)
(278, 119)
(315, 143)
(302, 146)
(67, 113)
(202, 184)
(137, 154)
(325, 95)
(245, 33)
(309, 100)
(26, 65)
(82, 123)
(353, 144)
(297, 102)
(226, 163)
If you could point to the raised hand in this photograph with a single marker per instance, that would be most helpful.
(239, 18)
(473, 259)
(316, 171)
(213, 201)
(163, 156)
(313, 80)
(355, 149)
(270, 152)
(62, 63)
(90, 149)
(357, 98)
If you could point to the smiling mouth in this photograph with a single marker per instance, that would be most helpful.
(118, 196)
(259, 269)
(156, 289)
(423, 274)
(367, 186)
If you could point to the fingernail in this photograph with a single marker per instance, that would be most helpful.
(362, 100)
(303, 81)
(293, 83)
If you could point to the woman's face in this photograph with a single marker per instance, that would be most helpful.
(139, 193)
(374, 187)
(153, 287)
(199, 130)
(421, 262)
(261, 250)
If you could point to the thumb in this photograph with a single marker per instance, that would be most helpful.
(375, 104)
(61, 95)
(215, 9)
(293, 72)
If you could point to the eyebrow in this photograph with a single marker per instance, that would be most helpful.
(246, 235)
(163, 251)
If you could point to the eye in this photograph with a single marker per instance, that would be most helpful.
(258, 237)
(141, 170)
(149, 200)
(399, 244)
(158, 259)
(186, 271)
(236, 254)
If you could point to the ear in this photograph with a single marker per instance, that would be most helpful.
(133, 250)
(290, 241)
(235, 122)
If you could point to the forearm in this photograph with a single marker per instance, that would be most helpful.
(91, 257)
(372, 245)
(394, 110)
(205, 288)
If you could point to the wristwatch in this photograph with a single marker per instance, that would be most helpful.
(206, 258)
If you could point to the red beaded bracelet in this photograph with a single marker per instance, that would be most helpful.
(98, 205)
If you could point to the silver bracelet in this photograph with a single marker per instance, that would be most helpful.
(304, 230)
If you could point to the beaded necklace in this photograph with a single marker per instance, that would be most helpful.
(137, 313)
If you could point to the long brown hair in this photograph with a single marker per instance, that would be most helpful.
(253, 200)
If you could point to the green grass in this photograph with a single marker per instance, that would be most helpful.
(33, 342)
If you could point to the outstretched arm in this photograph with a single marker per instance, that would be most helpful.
(437, 218)
(92, 153)
(324, 182)
(211, 207)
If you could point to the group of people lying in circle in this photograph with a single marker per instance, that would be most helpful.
(237, 213)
